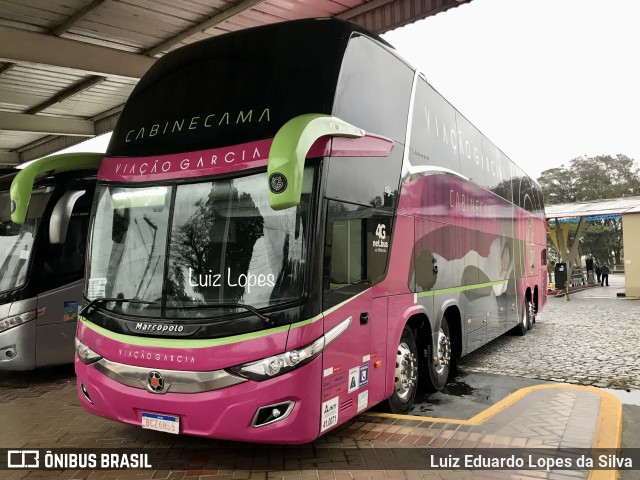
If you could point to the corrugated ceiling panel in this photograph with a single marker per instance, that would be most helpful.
(182, 10)
(14, 140)
(137, 25)
(120, 24)
(401, 12)
(42, 14)
(11, 107)
(39, 80)
(93, 101)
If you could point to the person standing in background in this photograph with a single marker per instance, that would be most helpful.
(598, 272)
(605, 275)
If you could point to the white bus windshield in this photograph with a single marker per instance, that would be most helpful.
(17, 241)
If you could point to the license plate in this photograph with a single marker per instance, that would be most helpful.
(161, 423)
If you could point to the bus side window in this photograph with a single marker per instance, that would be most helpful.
(64, 263)
(356, 250)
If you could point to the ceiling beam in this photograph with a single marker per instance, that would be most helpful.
(9, 158)
(68, 23)
(104, 123)
(201, 27)
(6, 66)
(23, 46)
(22, 122)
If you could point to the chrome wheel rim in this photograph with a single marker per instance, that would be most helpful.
(443, 352)
(532, 314)
(406, 371)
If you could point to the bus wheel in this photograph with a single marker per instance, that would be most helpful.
(525, 323)
(532, 314)
(406, 374)
(441, 362)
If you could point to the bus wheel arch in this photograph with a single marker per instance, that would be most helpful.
(407, 364)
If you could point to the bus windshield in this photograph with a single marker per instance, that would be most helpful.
(186, 247)
(16, 241)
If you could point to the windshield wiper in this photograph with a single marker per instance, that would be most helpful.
(269, 321)
(95, 301)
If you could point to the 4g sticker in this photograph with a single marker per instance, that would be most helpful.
(381, 243)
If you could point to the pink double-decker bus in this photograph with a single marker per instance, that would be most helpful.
(291, 226)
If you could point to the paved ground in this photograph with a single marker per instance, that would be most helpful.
(570, 343)
(372, 446)
(592, 339)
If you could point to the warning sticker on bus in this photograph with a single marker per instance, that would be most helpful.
(329, 414)
(96, 288)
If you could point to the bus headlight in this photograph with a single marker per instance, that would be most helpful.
(15, 320)
(285, 362)
(85, 353)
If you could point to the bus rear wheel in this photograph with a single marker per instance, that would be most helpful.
(441, 362)
(406, 374)
(525, 323)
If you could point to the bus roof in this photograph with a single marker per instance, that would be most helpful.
(22, 184)
(234, 88)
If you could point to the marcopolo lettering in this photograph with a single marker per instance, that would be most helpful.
(159, 328)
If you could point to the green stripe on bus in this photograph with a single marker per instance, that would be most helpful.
(442, 291)
(204, 343)
(179, 343)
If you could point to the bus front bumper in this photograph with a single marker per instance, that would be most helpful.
(18, 347)
(227, 413)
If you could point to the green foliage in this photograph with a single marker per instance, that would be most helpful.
(594, 178)
(591, 178)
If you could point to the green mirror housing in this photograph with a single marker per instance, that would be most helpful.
(289, 150)
(22, 184)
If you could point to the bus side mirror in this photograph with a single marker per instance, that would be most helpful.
(59, 222)
(289, 151)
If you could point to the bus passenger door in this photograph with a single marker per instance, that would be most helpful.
(347, 295)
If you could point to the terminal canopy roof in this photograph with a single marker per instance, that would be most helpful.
(68, 66)
(608, 208)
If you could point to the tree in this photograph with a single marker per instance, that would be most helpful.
(591, 178)
(594, 178)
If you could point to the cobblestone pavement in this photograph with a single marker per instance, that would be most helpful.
(592, 339)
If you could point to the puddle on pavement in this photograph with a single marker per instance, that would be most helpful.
(468, 394)
(627, 398)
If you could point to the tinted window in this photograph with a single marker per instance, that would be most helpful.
(17, 241)
(357, 245)
(434, 134)
(469, 143)
(64, 263)
(374, 89)
(366, 180)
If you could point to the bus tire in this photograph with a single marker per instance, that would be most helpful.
(406, 374)
(525, 323)
(440, 370)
